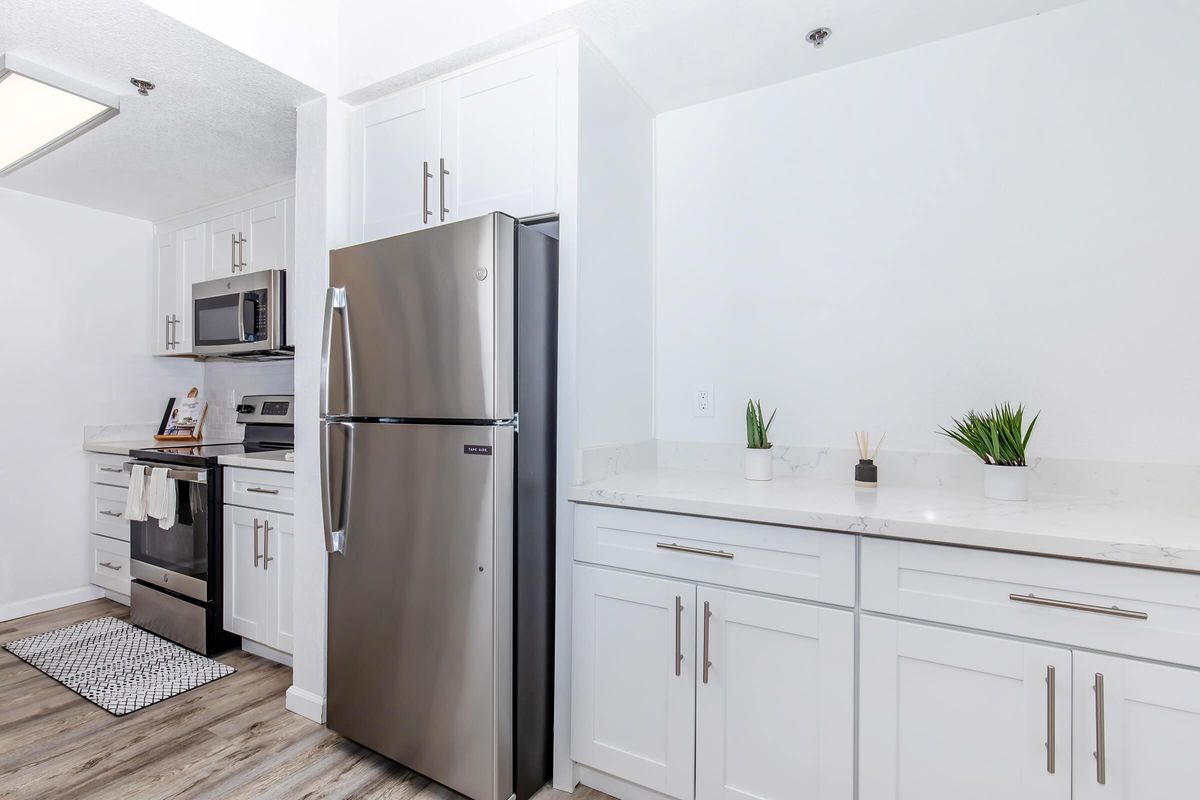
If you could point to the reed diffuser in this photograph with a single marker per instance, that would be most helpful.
(866, 474)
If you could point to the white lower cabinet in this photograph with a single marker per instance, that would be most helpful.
(708, 693)
(1136, 729)
(946, 715)
(258, 576)
(774, 699)
(110, 564)
(633, 690)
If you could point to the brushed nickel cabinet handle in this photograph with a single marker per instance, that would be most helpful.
(241, 252)
(266, 544)
(697, 551)
(111, 469)
(167, 332)
(707, 617)
(1098, 688)
(117, 514)
(426, 175)
(257, 555)
(1112, 611)
(1051, 723)
(678, 636)
(442, 187)
(257, 490)
(113, 567)
(233, 259)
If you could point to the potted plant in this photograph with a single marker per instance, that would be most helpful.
(758, 446)
(999, 438)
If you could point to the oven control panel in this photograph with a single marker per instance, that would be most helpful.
(260, 409)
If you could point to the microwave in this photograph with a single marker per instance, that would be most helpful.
(242, 316)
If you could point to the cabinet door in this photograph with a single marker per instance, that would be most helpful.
(245, 592)
(190, 268)
(775, 707)
(1145, 720)
(166, 296)
(633, 684)
(499, 138)
(267, 229)
(277, 559)
(945, 715)
(225, 254)
(391, 141)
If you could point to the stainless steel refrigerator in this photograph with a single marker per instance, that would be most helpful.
(437, 467)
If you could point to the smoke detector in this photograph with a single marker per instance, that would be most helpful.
(817, 36)
(145, 87)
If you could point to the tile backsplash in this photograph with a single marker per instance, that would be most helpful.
(226, 382)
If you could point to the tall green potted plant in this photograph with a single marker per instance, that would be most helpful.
(1000, 438)
(758, 446)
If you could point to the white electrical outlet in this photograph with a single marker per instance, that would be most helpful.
(702, 403)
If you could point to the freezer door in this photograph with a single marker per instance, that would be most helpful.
(420, 599)
(421, 326)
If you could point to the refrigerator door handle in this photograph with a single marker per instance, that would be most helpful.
(335, 500)
(335, 300)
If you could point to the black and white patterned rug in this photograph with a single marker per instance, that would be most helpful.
(115, 665)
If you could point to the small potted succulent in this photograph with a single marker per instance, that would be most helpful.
(999, 438)
(758, 446)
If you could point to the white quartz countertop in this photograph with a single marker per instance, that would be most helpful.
(121, 448)
(1100, 529)
(272, 460)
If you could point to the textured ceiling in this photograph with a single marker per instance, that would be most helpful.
(678, 52)
(219, 124)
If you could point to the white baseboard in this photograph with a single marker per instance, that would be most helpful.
(116, 597)
(49, 602)
(269, 653)
(306, 704)
(617, 787)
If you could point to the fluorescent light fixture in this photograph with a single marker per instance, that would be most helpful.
(41, 110)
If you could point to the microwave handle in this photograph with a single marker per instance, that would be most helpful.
(335, 303)
(241, 315)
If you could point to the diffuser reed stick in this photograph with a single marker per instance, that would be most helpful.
(866, 474)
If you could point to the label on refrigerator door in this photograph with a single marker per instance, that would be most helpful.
(477, 449)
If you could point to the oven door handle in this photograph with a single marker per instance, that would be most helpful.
(186, 475)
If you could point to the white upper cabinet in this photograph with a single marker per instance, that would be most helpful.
(268, 233)
(168, 297)
(225, 241)
(774, 699)
(947, 715)
(479, 141)
(180, 264)
(1136, 728)
(498, 138)
(394, 152)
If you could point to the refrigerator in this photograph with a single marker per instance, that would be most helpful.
(437, 468)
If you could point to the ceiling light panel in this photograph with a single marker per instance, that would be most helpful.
(41, 110)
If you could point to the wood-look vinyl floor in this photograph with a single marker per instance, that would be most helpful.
(229, 739)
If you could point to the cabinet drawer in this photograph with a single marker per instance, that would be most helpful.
(108, 511)
(1148, 613)
(110, 564)
(259, 488)
(792, 562)
(109, 470)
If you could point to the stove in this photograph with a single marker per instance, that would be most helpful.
(177, 591)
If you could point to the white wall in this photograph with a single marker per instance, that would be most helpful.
(78, 284)
(1006, 215)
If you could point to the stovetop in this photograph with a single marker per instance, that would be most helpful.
(205, 454)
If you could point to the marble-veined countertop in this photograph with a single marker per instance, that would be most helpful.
(1110, 530)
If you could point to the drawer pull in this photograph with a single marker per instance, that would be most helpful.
(113, 567)
(698, 551)
(111, 469)
(1111, 611)
(257, 490)
(117, 514)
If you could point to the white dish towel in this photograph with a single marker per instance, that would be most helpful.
(160, 498)
(135, 501)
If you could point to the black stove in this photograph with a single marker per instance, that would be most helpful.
(177, 588)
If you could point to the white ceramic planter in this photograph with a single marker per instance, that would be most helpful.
(1005, 483)
(759, 464)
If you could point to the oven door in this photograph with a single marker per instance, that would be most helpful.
(177, 558)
